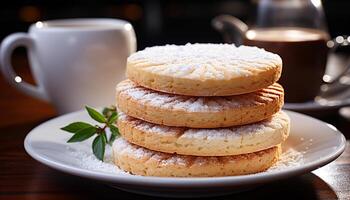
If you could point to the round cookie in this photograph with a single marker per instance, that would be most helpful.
(198, 112)
(141, 161)
(206, 142)
(204, 69)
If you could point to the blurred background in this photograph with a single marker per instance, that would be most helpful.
(155, 22)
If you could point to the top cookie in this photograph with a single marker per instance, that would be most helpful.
(204, 69)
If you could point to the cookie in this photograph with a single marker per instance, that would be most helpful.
(198, 112)
(204, 69)
(141, 161)
(206, 142)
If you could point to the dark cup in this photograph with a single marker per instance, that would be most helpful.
(304, 54)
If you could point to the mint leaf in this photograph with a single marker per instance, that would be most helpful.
(83, 134)
(106, 111)
(114, 134)
(75, 127)
(94, 114)
(111, 139)
(83, 130)
(114, 130)
(98, 146)
(104, 136)
(113, 118)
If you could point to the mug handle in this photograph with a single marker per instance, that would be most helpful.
(334, 44)
(231, 28)
(9, 44)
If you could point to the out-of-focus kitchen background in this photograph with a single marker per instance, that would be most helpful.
(155, 21)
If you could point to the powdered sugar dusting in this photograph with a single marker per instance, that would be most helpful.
(267, 127)
(129, 89)
(289, 158)
(88, 161)
(204, 61)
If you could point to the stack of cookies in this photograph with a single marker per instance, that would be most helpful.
(200, 110)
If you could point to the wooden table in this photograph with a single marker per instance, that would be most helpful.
(21, 177)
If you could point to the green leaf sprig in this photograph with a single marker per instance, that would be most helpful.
(83, 131)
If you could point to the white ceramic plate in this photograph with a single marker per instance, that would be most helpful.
(320, 142)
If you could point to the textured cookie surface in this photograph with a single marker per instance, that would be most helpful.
(141, 161)
(204, 69)
(206, 142)
(198, 112)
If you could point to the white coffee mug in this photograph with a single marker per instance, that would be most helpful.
(75, 62)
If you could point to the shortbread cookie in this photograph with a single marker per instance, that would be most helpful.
(206, 142)
(204, 69)
(141, 161)
(198, 112)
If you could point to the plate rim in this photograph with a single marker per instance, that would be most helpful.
(186, 181)
(314, 106)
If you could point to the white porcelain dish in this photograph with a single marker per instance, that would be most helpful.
(320, 143)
